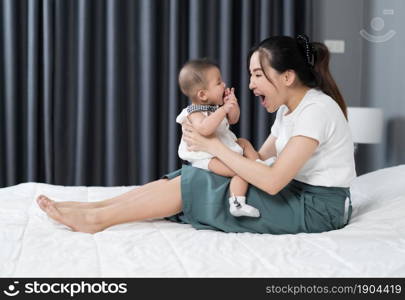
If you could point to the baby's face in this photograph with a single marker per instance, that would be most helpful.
(216, 87)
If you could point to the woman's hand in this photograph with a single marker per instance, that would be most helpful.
(197, 142)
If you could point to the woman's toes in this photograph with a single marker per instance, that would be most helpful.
(44, 201)
(39, 198)
(42, 204)
(53, 211)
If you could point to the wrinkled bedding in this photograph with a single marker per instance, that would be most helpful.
(33, 245)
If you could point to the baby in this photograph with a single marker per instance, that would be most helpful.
(213, 107)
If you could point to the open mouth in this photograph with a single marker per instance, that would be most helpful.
(262, 100)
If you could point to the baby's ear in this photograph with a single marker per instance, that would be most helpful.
(202, 95)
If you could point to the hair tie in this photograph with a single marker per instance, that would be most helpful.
(304, 42)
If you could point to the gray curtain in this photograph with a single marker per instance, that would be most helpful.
(88, 89)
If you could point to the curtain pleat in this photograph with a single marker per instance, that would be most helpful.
(47, 61)
(173, 37)
(32, 79)
(130, 80)
(112, 93)
(11, 91)
(288, 17)
(97, 151)
(262, 119)
(148, 101)
(89, 91)
(245, 42)
(196, 15)
(225, 39)
(82, 93)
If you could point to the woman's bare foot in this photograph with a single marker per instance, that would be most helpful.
(78, 219)
(75, 204)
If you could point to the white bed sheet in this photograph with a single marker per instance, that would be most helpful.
(372, 245)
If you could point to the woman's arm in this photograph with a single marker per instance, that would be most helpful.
(268, 149)
(269, 179)
(274, 178)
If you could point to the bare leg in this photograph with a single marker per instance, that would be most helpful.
(238, 187)
(138, 191)
(161, 201)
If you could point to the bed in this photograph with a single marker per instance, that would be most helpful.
(372, 245)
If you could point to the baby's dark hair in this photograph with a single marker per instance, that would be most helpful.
(192, 75)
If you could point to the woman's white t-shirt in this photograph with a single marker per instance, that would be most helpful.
(319, 117)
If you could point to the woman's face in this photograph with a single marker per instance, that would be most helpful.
(271, 94)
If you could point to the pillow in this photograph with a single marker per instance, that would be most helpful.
(379, 186)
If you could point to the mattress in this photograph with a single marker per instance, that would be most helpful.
(33, 245)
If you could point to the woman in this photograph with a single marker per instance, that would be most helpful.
(303, 191)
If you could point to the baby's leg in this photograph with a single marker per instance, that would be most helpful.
(237, 200)
(238, 187)
(218, 167)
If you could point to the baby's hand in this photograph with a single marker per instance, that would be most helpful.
(230, 100)
(230, 95)
(229, 105)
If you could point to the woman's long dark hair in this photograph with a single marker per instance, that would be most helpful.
(310, 61)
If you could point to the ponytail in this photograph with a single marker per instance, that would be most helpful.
(323, 76)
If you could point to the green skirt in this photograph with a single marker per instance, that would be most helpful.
(299, 207)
